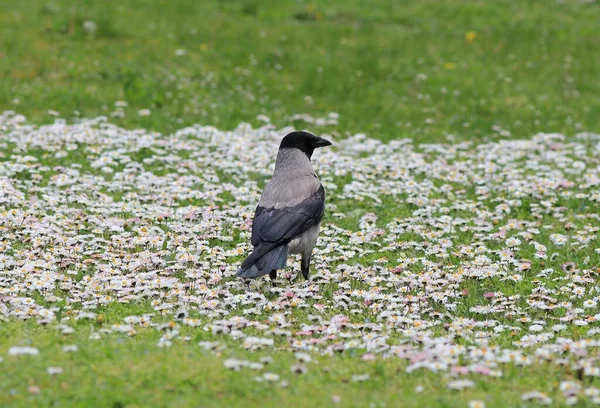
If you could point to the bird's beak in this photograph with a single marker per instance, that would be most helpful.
(320, 142)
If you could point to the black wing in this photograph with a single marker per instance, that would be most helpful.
(281, 225)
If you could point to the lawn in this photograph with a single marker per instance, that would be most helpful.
(423, 69)
(459, 259)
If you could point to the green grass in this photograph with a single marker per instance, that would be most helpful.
(390, 69)
(119, 371)
(128, 372)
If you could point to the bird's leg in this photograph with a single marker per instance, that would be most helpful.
(273, 276)
(305, 265)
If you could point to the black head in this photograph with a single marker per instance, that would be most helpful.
(304, 141)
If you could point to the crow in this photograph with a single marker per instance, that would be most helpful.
(290, 210)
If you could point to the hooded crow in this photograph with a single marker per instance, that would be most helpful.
(290, 210)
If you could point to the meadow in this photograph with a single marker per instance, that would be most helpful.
(459, 259)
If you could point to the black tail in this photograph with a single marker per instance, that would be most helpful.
(263, 260)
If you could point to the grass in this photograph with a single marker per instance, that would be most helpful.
(390, 69)
(128, 372)
(118, 371)
(431, 71)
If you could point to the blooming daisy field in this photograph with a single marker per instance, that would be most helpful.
(458, 263)
(451, 268)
